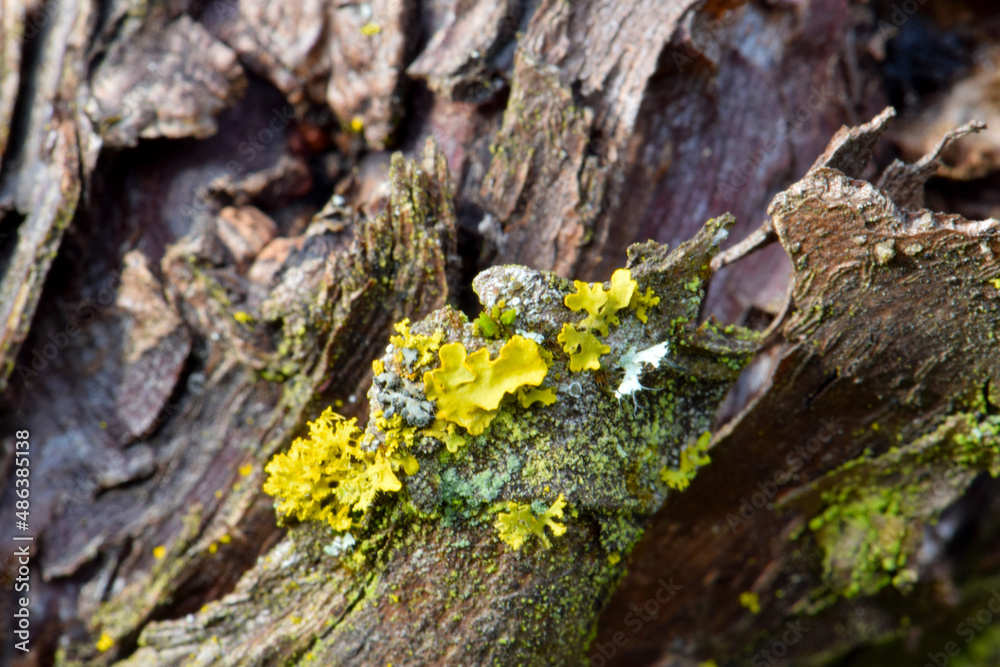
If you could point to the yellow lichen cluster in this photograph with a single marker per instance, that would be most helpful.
(398, 437)
(580, 341)
(328, 475)
(105, 642)
(518, 523)
(424, 346)
(692, 458)
(751, 601)
(468, 388)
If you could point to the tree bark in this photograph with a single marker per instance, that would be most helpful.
(205, 240)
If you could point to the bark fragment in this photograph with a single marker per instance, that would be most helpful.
(885, 386)
(394, 598)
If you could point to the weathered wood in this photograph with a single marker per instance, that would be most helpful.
(877, 415)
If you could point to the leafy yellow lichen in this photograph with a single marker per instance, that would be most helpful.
(528, 397)
(445, 432)
(602, 307)
(327, 475)
(519, 522)
(584, 348)
(468, 387)
(424, 346)
(692, 458)
(398, 439)
(105, 642)
(589, 298)
(580, 340)
(642, 302)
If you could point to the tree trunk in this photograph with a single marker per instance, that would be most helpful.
(213, 213)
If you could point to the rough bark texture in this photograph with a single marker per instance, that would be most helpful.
(204, 241)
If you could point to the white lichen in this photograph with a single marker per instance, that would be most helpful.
(632, 362)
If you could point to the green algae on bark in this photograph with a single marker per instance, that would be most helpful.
(870, 514)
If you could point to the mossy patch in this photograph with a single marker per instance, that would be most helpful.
(869, 514)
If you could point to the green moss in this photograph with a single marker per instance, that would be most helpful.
(497, 323)
(873, 511)
(983, 649)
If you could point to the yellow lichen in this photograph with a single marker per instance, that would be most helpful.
(584, 348)
(327, 475)
(589, 298)
(750, 601)
(602, 307)
(518, 523)
(105, 642)
(424, 346)
(468, 387)
(445, 432)
(398, 439)
(641, 302)
(159, 552)
(580, 341)
(545, 396)
(692, 458)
